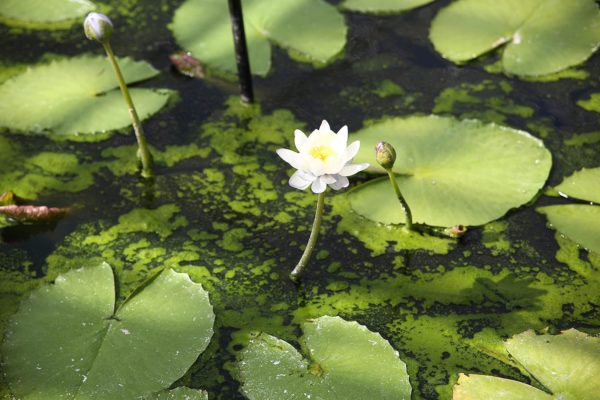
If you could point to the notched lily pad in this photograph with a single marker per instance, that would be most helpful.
(383, 6)
(76, 97)
(567, 365)
(203, 27)
(345, 361)
(44, 11)
(540, 36)
(580, 222)
(451, 172)
(68, 338)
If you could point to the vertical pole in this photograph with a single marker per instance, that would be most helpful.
(241, 51)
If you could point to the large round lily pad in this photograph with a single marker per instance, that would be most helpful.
(580, 222)
(312, 28)
(77, 96)
(540, 36)
(568, 365)
(383, 6)
(45, 10)
(451, 172)
(68, 342)
(346, 361)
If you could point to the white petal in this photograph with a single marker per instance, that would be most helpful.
(301, 180)
(328, 179)
(318, 186)
(351, 169)
(340, 183)
(315, 166)
(343, 134)
(324, 128)
(352, 150)
(299, 139)
(291, 157)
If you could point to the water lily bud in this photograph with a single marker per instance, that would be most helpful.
(385, 155)
(97, 27)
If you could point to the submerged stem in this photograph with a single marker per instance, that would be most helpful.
(407, 214)
(312, 240)
(143, 150)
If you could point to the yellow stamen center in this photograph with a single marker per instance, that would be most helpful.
(322, 152)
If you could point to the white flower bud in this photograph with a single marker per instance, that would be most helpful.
(97, 27)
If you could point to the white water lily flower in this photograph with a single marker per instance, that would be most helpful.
(323, 159)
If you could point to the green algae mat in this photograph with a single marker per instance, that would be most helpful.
(177, 287)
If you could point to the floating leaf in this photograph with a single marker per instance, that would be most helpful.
(346, 361)
(45, 10)
(181, 393)
(450, 172)
(583, 184)
(580, 222)
(187, 65)
(541, 36)
(383, 6)
(31, 213)
(67, 338)
(76, 96)
(312, 28)
(568, 365)
(478, 387)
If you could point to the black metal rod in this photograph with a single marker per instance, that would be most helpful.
(241, 51)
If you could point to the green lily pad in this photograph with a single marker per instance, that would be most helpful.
(45, 10)
(346, 361)
(541, 36)
(77, 96)
(450, 172)
(568, 365)
(181, 393)
(579, 222)
(68, 342)
(583, 184)
(203, 27)
(478, 387)
(383, 6)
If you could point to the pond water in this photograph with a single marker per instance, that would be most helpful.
(221, 210)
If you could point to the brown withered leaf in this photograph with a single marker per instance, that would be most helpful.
(187, 65)
(31, 213)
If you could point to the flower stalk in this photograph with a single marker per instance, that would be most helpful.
(385, 154)
(143, 151)
(408, 224)
(98, 27)
(312, 240)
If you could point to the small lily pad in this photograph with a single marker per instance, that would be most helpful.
(77, 96)
(568, 365)
(540, 36)
(580, 222)
(346, 361)
(68, 338)
(450, 172)
(45, 11)
(383, 6)
(203, 27)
